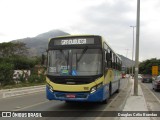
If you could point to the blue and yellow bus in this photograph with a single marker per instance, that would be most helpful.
(82, 68)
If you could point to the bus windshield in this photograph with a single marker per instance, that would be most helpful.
(75, 62)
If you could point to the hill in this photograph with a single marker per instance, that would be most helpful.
(126, 61)
(38, 44)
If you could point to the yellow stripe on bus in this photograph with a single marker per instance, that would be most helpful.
(74, 88)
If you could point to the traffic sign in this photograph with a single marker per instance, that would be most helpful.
(154, 70)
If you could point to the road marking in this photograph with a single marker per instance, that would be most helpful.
(151, 92)
(18, 107)
(18, 96)
(21, 88)
(16, 91)
(21, 92)
(31, 105)
(98, 118)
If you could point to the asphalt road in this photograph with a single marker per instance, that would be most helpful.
(38, 102)
(149, 86)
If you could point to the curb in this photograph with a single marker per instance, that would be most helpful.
(21, 91)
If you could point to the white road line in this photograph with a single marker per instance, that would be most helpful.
(21, 92)
(21, 88)
(151, 92)
(18, 96)
(31, 105)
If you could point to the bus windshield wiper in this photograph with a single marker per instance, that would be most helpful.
(65, 57)
(83, 52)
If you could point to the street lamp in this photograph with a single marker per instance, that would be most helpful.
(126, 62)
(137, 50)
(133, 49)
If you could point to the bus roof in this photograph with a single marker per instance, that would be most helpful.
(104, 41)
(82, 35)
(87, 35)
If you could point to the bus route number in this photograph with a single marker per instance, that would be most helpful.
(73, 41)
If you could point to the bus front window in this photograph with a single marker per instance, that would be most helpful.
(75, 62)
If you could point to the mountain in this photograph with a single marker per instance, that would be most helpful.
(38, 44)
(126, 61)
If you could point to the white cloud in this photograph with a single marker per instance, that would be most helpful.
(109, 18)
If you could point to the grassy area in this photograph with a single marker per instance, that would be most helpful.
(21, 85)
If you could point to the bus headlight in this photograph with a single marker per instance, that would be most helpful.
(93, 89)
(50, 87)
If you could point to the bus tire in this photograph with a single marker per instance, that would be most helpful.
(68, 101)
(118, 86)
(105, 101)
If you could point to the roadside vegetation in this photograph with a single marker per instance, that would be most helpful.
(145, 67)
(14, 56)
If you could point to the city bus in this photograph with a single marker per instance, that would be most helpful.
(81, 68)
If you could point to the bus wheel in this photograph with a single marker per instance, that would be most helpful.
(68, 101)
(118, 87)
(105, 101)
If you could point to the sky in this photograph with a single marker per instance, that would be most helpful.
(109, 18)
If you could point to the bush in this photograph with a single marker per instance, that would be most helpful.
(34, 78)
(22, 78)
(6, 73)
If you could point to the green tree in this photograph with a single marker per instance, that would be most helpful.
(145, 67)
(6, 73)
(13, 49)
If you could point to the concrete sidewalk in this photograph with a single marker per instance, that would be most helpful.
(135, 103)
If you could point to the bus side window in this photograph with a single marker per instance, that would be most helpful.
(121, 65)
(110, 61)
(106, 61)
(113, 61)
(116, 63)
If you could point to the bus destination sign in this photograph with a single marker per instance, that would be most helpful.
(74, 41)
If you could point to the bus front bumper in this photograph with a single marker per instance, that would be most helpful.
(99, 95)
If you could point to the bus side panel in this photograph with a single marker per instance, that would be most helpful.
(106, 92)
(116, 80)
(112, 76)
(109, 76)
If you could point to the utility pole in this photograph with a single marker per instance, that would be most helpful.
(137, 50)
(133, 50)
(126, 63)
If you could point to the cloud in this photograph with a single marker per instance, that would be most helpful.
(111, 20)
(2, 34)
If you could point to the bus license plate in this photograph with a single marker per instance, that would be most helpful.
(70, 96)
